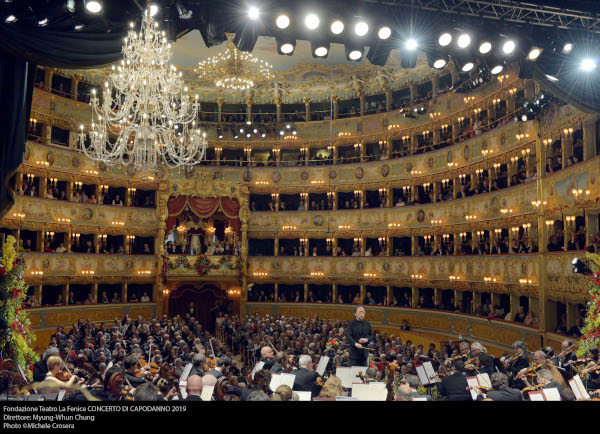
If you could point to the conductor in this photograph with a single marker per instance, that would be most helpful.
(359, 334)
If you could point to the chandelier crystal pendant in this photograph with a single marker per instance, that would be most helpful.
(234, 69)
(144, 115)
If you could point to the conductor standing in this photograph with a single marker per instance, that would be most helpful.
(359, 334)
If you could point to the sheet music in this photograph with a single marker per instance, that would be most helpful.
(304, 396)
(110, 365)
(186, 372)
(472, 381)
(536, 395)
(322, 365)
(345, 376)
(207, 393)
(575, 390)
(369, 392)
(346, 398)
(61, 395)
(257, 367)
(552, 394)
(182, 390)
(581, 387)
(423, 377)
(431, 374)
(484, 380)
(279, 379)
(419, 399)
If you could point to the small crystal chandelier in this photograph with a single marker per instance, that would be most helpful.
(234, 69)
(146, 117)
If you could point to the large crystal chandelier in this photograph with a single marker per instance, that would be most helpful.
(144, 115)
(234, 69)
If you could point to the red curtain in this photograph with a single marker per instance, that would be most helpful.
(204, 207)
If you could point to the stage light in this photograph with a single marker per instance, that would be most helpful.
(468, 66)
(253, 13)
(485, 47)
(497, 69)
(509, 47)
(10, 19)
(285, 46)
(534, 53)
(321, 51)
(93, 6)
(282, 21)
(567, 48)
(464, 40)
(384, 32)
(445, 39)
(70, 5)
(552, 78)
(43, 22)
(588, 65)
(411, 44)
(311, 21)
(439, 64)
(361, 28)
(355, 54)
(337, 27)
(153, 10)
(79, 26)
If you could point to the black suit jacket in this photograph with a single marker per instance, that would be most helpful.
(193, 398)
(507, 394)
(355, 331)
(455, 387)
(306, 381)
(40, 369)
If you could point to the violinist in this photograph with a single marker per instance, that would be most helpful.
(194, 388)
(133, 371)
(198, 362)
(566, 354)
(455, 387)
(592, 374)
(483, 362)
(500, 390)
(52, 383)
(541, 362)
(546, 380)
(261, 382)
(271, 360)
(222, 367)
(306, 378)
(516, 363)
(414, 383)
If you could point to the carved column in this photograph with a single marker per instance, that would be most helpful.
(336, 107)
(388, 294)
(589, 139)
(37, 291)
(276, 292)
(435, 83)
(363, 293)
(74, 86)
(65, 293)
(334, 293)
(124, 292)
(305, 292)
(455, 73)
(219, 109)
(95, 292)
(276, 243)
(363, 246)
(415, 297)
(307, 107)
(413, 91)
(362, 104)
(278, 106)
(388, 99)
(566, 148)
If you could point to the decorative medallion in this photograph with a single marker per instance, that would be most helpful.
(386, 266)
(275, 265)
(332, 174)
(276, 177)
(129, 265)
(247, 176)
(430, 162)
(102, 167)
(88, 214)
(318, 220)
(359, 173)
(449, 157)
(27, 153)
(218, 175)
(360, 266)
(75, 163)
(50, 157)
(467, 152)
(46, 263)
(494, 204)
(304, 175)
(130, 170)
(384, 170)
(189, 173)
(160, 172)
(409, 167)
(420, 216)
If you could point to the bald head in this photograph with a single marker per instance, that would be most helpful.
(267, 352)
(404, 393)
(209, 380)
(194, 385)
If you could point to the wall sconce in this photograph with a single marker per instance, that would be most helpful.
(515, 230)
(525, 152)
(382, 193)
(115, 223)
(329, 242)
(479, 174)
(102, 237)
(76, 237)
(445, 182)
(480, 234)
(547, 142)
(370, 275)
(460, 119)
(19, 215)
(427, 187)
(77, 185)
(579, 192)
(570, 219)
(549, 223)
(344, 134)
(357, 194)
(498, 232)
(427, 239)
(343, 227)
(463, 236)
(303, 242)
(470, 217)
(538, 203)
(357, 242)
(463, 179)
(512, 91)
(522, 136)
(42, 163)
(446, 238)
(304, 197)
(218, 150)
(394, 225)
(131, 239)
(274, 196)
(485, 152)
(88, 272)
(525, 281)
(260, 274)
(405, 138)
(317, 273)
(36, 273)
(489, 279)
(30, 178)
(144, 272)
(53, 182)
(568, 131)
(451, 165)
(436, 222)
(416, 172)
(513, 160)
(330, 195)
(104, 189)
(382, 241)
(49, 236)
(416, 276)
(444, 128)
(426, 134)
(526, 226)
(285, 228)
(181, 229)
(468, 98)
(506, 210)
(454, 277)
(497, 167)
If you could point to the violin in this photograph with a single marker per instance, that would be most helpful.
(532, 370)
(482, 388)
(577, 362)
(594, 369)
(532, 388)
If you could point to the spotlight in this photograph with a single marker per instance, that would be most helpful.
(79, 26)
(337, 27)
(43, 22)
(93, 6)
(468, 66)
(567, 48)
(534, 53)
(439, 64)
(320, 49)
(253, 13)
(445, 39)
(509, 47)
(282, 21)
(10, 19)
(354, 53)
(524, 118)
(588, 64)
(311, 21)
(552, 78)
(485, 47)
(286, 46)
(153, 10)
(70, 5)
(464, 40)
(361, 28)
(411, 44)
(384, 32)
(497, 69)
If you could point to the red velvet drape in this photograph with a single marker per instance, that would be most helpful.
(204, 207)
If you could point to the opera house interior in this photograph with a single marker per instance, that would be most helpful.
(300, 201)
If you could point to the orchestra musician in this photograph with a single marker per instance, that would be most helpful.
(51, 383)
(455, 387)
(483, 362)
(306, 378)
(270, 360)
(541, 362)
(566, 354)
(516, 363)
(359, 334)
(592, 375)
(500, 390)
